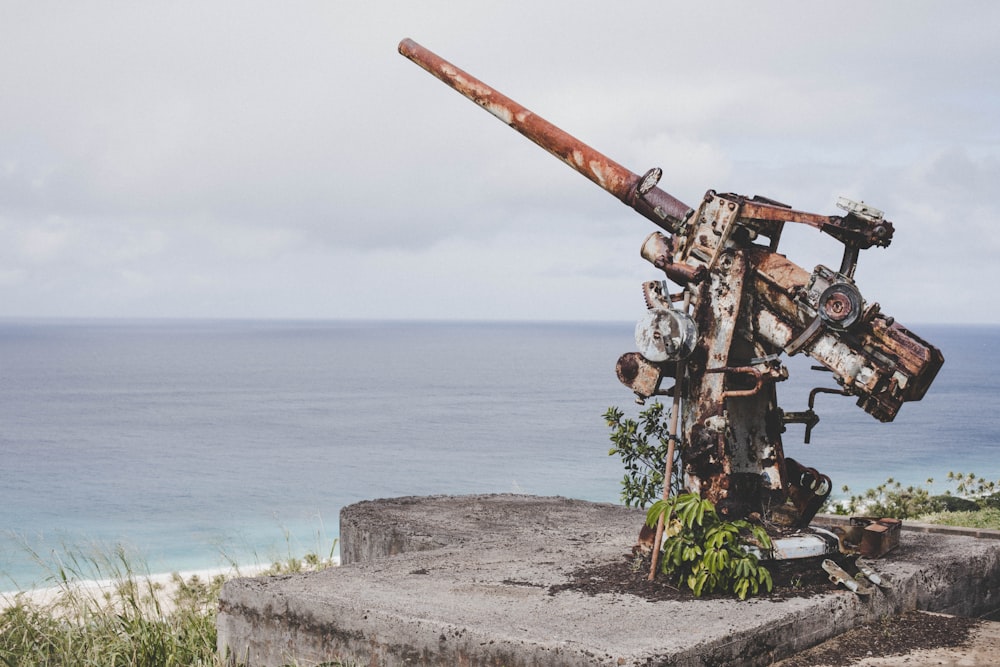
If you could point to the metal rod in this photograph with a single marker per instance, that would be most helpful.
(745, 370)
(668, 473)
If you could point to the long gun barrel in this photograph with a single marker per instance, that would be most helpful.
(638, 192)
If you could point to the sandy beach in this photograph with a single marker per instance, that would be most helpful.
(161, 585)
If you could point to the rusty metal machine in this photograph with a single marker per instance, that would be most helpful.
(738, 307)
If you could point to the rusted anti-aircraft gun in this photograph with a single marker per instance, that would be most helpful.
(740, 306)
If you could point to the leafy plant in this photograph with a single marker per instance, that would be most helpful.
(642, 445)
(707, 554)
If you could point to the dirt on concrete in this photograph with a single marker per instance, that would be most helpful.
(894, 636)
(630, 575)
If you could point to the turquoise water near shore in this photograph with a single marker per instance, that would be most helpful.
(196, 443)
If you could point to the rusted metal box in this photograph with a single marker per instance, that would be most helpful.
(878, 536)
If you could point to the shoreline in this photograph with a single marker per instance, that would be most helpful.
(161, 584)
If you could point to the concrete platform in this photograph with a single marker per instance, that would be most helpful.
(465, 581)
(981, 648)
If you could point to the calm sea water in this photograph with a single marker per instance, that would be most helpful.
(195, 443)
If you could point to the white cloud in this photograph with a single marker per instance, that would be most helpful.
(253, 159)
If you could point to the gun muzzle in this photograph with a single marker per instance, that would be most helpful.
(638, 192)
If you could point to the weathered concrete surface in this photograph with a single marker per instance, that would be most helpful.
(982, 648)
(469, 585)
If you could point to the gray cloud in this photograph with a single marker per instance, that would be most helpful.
(254, 159)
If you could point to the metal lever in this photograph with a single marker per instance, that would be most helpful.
(807, 417)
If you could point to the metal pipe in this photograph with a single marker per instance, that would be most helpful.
(652, 203)
(744, 370)
(668, 472)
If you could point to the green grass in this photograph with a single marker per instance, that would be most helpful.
(130, 622)
(984, 518)
(127, 623)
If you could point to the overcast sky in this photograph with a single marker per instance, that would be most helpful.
(243, 159)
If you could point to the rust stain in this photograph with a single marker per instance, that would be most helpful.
(597, 167)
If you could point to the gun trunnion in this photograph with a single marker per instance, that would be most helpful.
(740, 306)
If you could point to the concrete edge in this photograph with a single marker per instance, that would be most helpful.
(926, 581)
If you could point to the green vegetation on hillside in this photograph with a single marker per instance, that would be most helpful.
(129, 621)
(971, 501)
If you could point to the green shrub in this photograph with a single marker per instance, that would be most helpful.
(642, 445)
(991, 501)
(707, 554)
(949, 503)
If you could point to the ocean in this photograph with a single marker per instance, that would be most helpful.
(196, 444)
